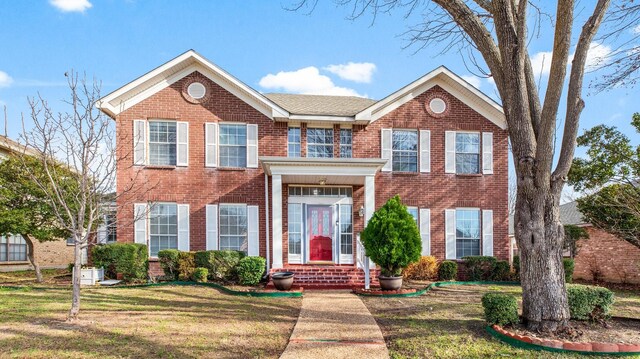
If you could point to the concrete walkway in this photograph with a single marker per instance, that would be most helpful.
(335, 324)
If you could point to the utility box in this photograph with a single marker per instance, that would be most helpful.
(90, 276)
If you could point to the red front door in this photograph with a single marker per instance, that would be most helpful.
(319, 223)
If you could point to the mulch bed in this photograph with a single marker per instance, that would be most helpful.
(614, 330)
(379, 291)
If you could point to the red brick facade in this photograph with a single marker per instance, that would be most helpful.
(198, 185)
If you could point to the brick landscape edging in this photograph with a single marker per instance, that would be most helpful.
(417, 292)
(593, 348)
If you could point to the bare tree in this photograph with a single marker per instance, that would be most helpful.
(499, 31)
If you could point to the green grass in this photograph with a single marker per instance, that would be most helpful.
(164, 322)
(448, 322)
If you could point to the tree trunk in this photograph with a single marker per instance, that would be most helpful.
(540, 238)
(75, 298)
(32, 257)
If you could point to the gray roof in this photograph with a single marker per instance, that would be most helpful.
(320, 104)
(569, 214)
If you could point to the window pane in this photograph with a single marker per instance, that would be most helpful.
(233, 145)
(162, 143)
(346, 229)
(233, 227)
(320, 142)
(163, 227)
(345, 143)
(295, 228)
(467, 232)
(405, 151)
(467, 153)
(413, 211)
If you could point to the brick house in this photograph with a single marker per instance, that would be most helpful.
(294, 178)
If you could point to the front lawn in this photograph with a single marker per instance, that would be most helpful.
(448, 322)
(163, 321)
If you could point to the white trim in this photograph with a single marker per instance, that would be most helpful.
(183, 227)
(139, 142)
(276, 228)
(425, 230)
(140, 215)
(320, 200)
(450, 152)
(211, 144)
(252, 145)
(425, 151)
(253, 230)
(182, 130)
(487, 232)
(386, 148)
(211, 212)
(487, 153)
(296, 258)
(450, 233)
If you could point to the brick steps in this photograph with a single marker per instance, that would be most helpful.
(315, 276)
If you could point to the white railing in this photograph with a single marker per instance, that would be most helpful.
(363, 262)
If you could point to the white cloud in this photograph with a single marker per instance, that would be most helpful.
(541, 63)
(597, 56)
(5, 79)
(636, 30)
(475, 81)
(71, 5)
(354, 71)
(307, 81)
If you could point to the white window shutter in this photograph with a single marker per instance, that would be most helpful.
(386, 146)
(487, 233)
(450, 152)
(425, 230)
(450, 233)
(252, 146)
(253, 228)
(139, 142)
(211, 144)
(487, 153)
(101, 234)
(212, 227)
(182, 144)
(183, 227)
(425, 151)
(140, 223)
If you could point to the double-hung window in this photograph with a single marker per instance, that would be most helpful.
(233, 227)
(110, 224)
(467, 232)
(346, 143)
(294, 142)
(163, 227)
(162, 143)
(405, 151)
(467, 153)
(233, 145)
(320, 142)
(13, 249)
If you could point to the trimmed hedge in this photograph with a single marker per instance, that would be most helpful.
(186, 265)
(501, 271)
(588, 302)
(200, 275)
(424, 269)
(479, 267)
(501, 309)
(250, 270)
(130, 259)
(448, 270)
(169, 262)
(220, 264)
(568, 264)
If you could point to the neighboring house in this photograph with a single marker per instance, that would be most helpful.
(13, 249)
(294, 178)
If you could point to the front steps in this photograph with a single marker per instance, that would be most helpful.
(327, 276)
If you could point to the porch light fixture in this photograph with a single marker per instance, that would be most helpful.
(361, 211)
(323, 181)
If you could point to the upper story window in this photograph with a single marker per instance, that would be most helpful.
(467, 232)
(346, 143)
(320, 142)
(294, 142)
(467, 153)
(163, 227)
(13, 249)
(233, 145)
(405, 150)
(162, 143)
(233, 227)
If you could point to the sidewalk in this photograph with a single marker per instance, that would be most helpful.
(335, 324)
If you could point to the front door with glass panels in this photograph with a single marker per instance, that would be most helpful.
(320, 232)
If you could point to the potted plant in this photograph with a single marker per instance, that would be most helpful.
(282, 280)
(392, 240)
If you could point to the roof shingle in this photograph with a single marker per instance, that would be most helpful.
(320, 104)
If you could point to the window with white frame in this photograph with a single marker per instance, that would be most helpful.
(233, 227)
(413, 211)
(321, 191)
(163, 227)
(294, 142)
(295, 228)
(320, 142)
(162, 143)
(405, 150)
(346, 229)
(233, 145)
(467, 232)
(346, 149)
(13, 249)
(467, 153)
(110, 224)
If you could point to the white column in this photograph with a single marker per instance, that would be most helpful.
(369, 198)
(276, 203)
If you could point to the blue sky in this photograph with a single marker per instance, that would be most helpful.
(118, 40)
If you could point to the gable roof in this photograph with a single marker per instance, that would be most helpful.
(8, 145)
(569, 215)
(320, 104)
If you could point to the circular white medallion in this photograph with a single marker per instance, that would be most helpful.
(437, 105)
(196, 90)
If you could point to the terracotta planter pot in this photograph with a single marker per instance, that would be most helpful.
(390, 283)
(119, 276)
(282, 280)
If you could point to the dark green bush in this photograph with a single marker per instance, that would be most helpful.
(589, 302)
(130, 259)
(479, 267)
(200, 275)
(501, 271)
(448, 270)
(501, 309)
(516, 267)
(568, 264)
(169, 262)
(186, 265)
(220, 264)
(391, 238)
(250, 270)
